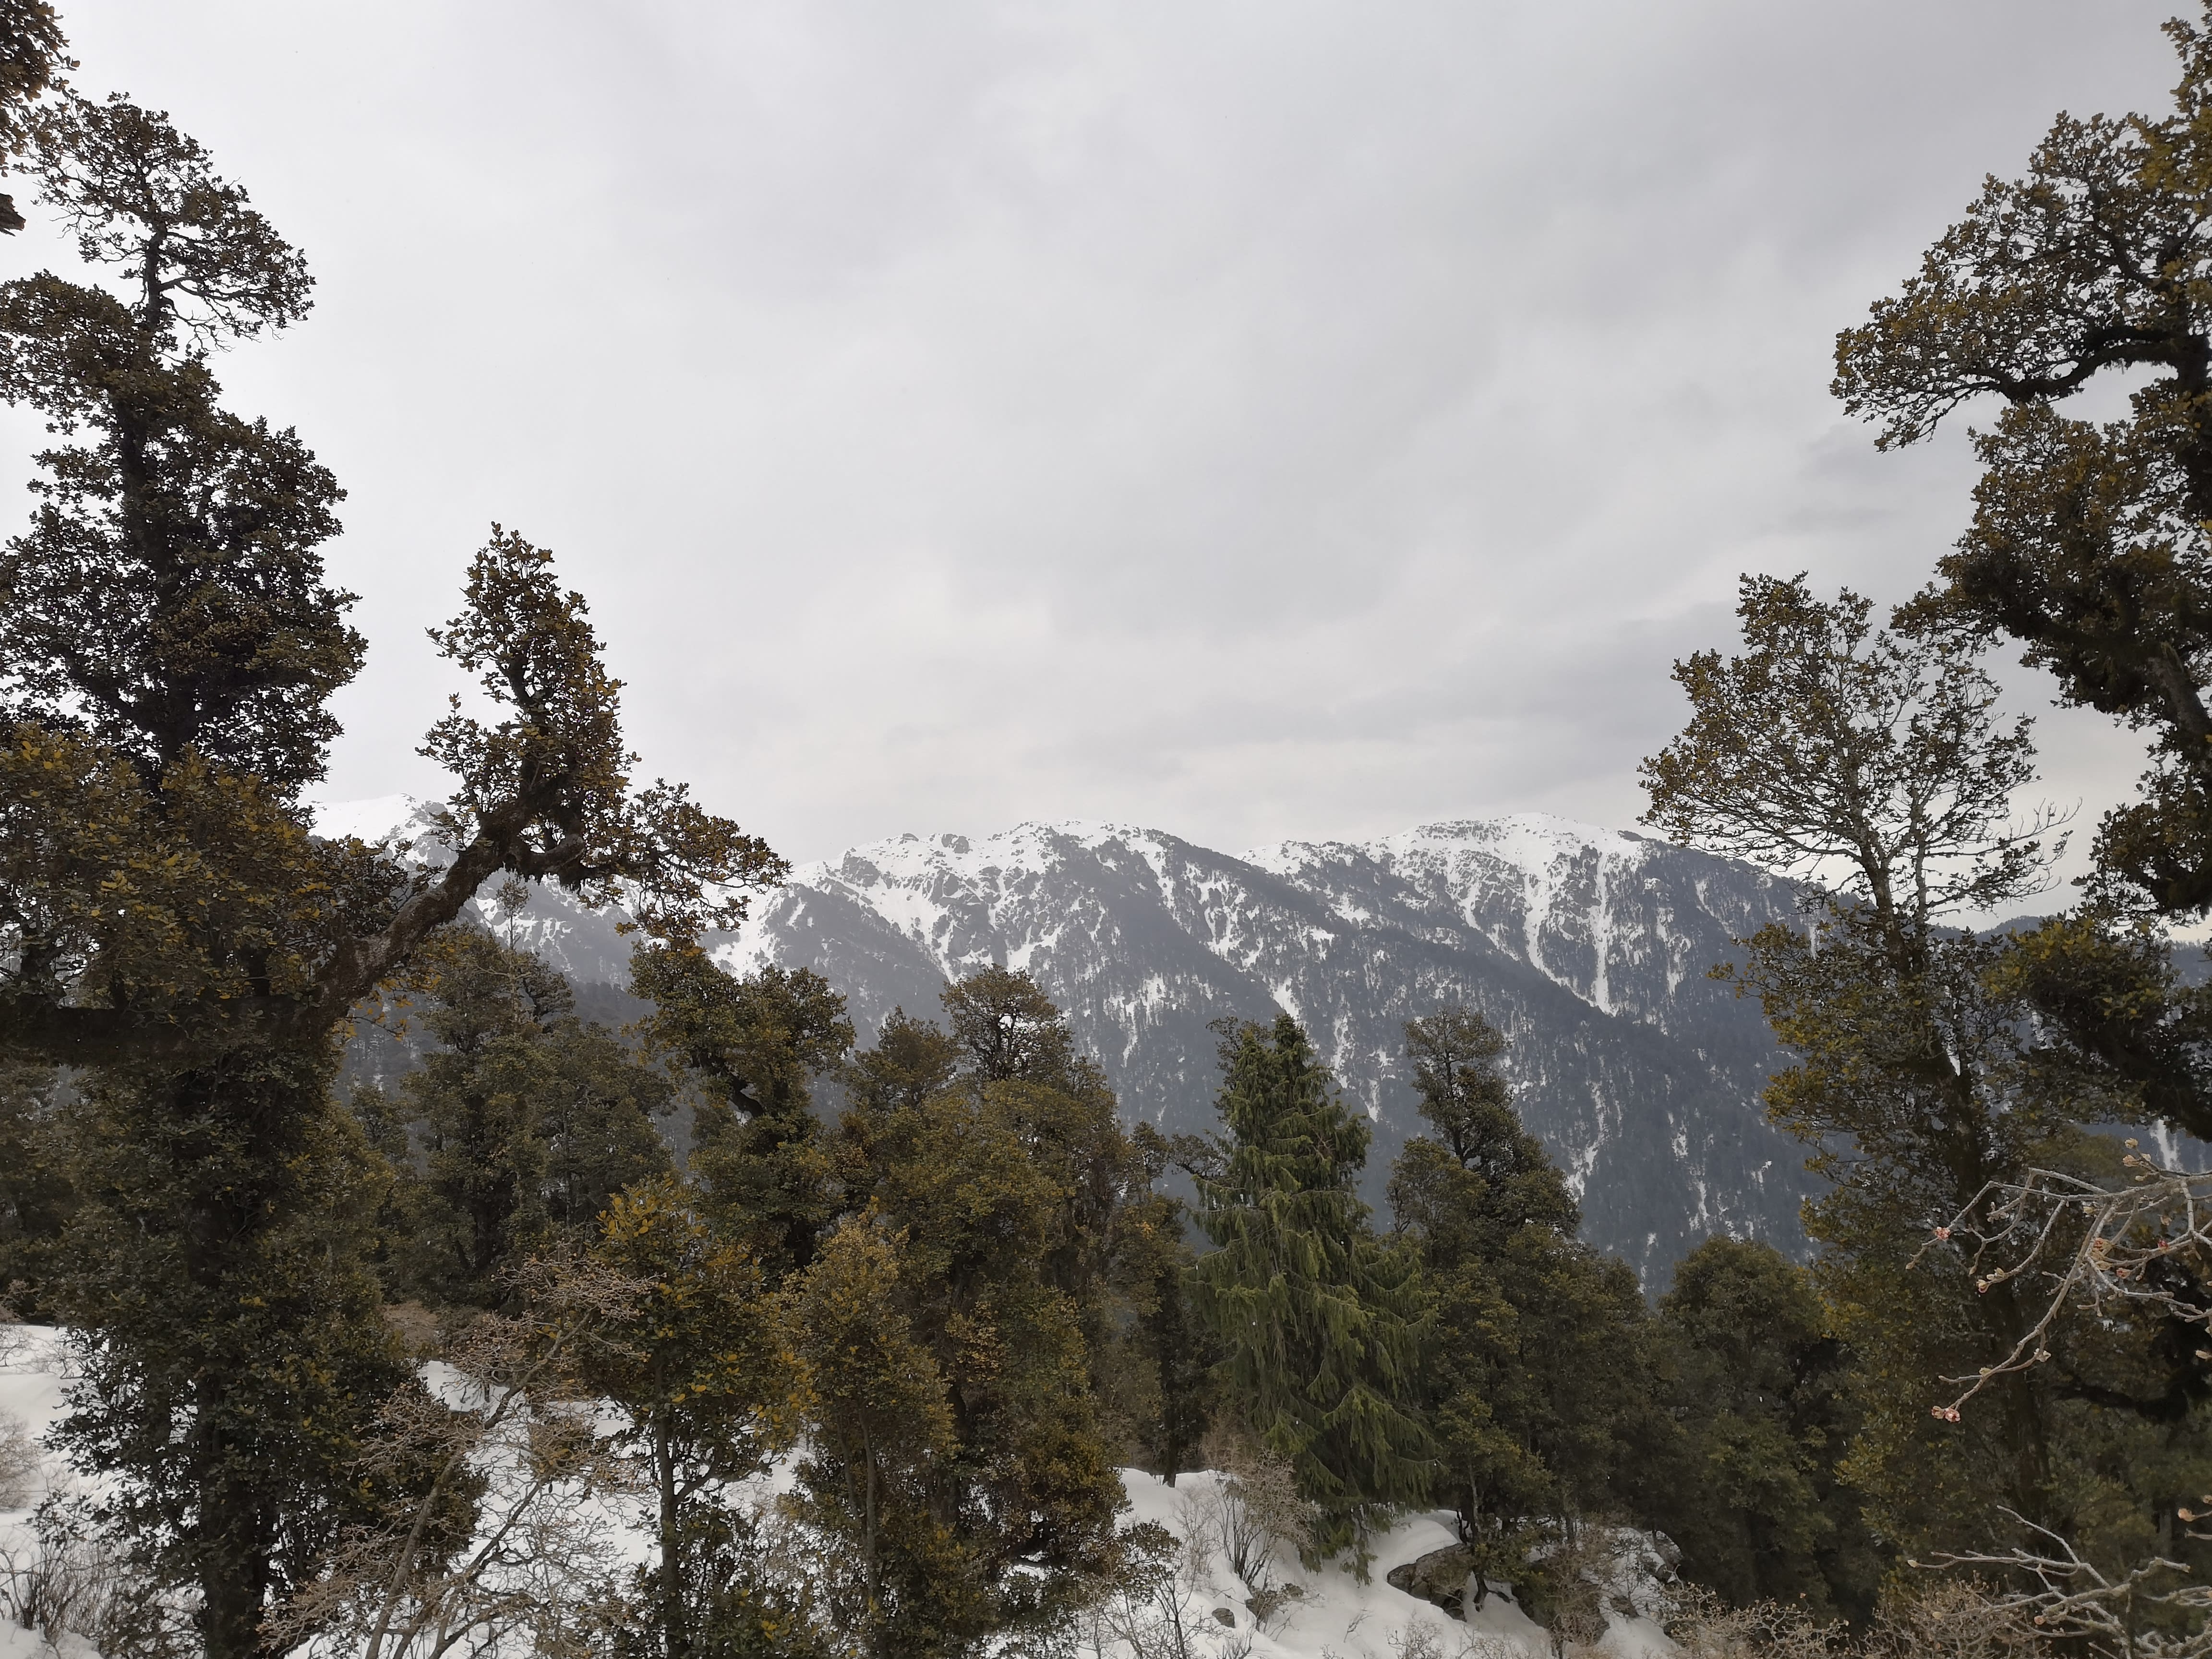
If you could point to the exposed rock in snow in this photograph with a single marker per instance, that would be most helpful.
(1334, 1616)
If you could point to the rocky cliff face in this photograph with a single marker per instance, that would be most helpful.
(1590, 948)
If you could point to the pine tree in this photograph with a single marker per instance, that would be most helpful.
(750, 1049)
(1160, 1365)
(959, 1193)
(1538, 1383)
(880, 1427)
(33, 55)
(228, 1379)
(702, 1365)
(1318, 1318)
(515, 1130)
(1758, 1503)
(1020, 1061)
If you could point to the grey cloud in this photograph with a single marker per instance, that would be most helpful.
(1254, 421)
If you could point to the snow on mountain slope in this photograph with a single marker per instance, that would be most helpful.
(1588, 947)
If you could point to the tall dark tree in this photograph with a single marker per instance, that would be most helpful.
(520, 1126)
(2089, 548)
(168, 925)
(1758, 1503)
(2087, 543)
(33, 55)
(1538, 1370)
(955, 1457)
(703, 1367)
(751, 1049)
(1158, 1370)
(1318, 1318)
(1021, 1062)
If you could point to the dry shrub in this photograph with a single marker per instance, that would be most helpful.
(1257, 1515)
(1948, 1619)
(72, 1577)
(21, 1457)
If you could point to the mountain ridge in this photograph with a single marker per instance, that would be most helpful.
(1588, 946)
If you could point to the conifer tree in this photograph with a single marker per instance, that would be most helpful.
(1160, 1371)
(879, 1428)
(1757, 1502)
(1538, 1381)
(956, 1192)
(1318, 1318)
(33, 55)
(517, 1129)
(37, 1192)
(751, 1049)
(2088, 547)
(1020, 1060)
(1874, 760)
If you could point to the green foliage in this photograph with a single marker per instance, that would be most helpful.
(911, 1060)
(879, 1428)
(169, 597)
(1538, 1383)
(1918, 1073)
(956, 1449)
(168, 926)
(38, 1188)
(1319, 1319)
(1157, 1378)
(750, 1049)
(1759, 1385)
(702, 1364)
(515, 1130)
(232, 1348)
(2088, 543)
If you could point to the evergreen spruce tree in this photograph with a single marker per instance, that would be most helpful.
(1161, 1368)
(516, 1130)
(1757, 1502)
(880, 1428)
(1538, 1386)
(750, 1050)
(38, 1191)
(1318, 1318)
(994, 1521)
(1019, 1060)
(703, 1364)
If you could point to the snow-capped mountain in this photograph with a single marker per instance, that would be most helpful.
(1588, 947)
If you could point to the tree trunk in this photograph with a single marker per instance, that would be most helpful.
(675, 1639)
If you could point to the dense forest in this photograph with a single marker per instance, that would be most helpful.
(863, 1337)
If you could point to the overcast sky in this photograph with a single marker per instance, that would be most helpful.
(1248, 419)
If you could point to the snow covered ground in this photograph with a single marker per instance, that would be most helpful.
(1337, 1616)
(1334, 1617)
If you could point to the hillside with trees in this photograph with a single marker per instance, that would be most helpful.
(739, 1321)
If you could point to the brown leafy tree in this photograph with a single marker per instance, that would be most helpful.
(1875, 760)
